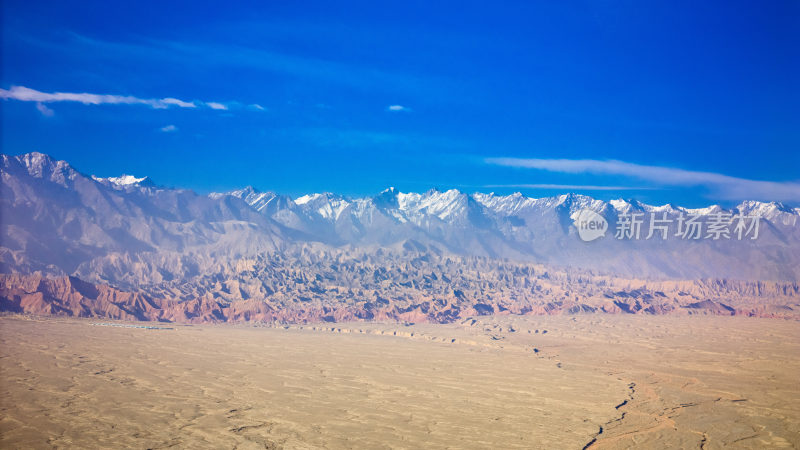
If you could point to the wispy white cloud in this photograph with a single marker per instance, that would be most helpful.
(169, 129)
(358, 76)
(24, 94)
(215, 105)
(176, 102)
(47, 112)
(585, 187)
(721, 186)
(398, 108)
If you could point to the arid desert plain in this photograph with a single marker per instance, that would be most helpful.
(596, 381)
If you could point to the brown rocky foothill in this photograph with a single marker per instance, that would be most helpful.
(557, 293)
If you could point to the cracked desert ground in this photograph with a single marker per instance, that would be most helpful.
(492, 382)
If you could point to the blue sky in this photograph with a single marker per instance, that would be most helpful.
(659, 101)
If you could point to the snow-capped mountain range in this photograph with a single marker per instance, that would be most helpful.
(57, 220)
(413, 207)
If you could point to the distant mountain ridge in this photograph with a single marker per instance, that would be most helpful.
(541, 229)
(58, 221)
(441, 204)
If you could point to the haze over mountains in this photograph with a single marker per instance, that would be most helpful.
(391, 251)
(541, 230)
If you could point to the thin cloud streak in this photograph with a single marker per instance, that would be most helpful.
(42, 108)
(584, 187)
(362, 77)
(24, 94)
(398, 108)
(722, 186)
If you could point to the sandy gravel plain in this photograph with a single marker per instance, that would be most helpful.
(600, 381)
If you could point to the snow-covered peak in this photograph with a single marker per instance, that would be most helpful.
(434, 203)
(713, 209)
(328, 205)
(124, 181)
(406, 201)
(39, 165)
(35, 162)
(267, 203)
(387, 199)
(771, 211)
(764, 208)
(668, 208)
(506, 205)
(518, 204)
(244, 192)
(575, 201)
(619, 204)
(630, 206)
(307, 198)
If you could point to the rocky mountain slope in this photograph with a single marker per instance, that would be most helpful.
(322, 285)
(542, 230)
(125, 247)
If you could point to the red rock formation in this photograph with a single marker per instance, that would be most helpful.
(72, 297)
